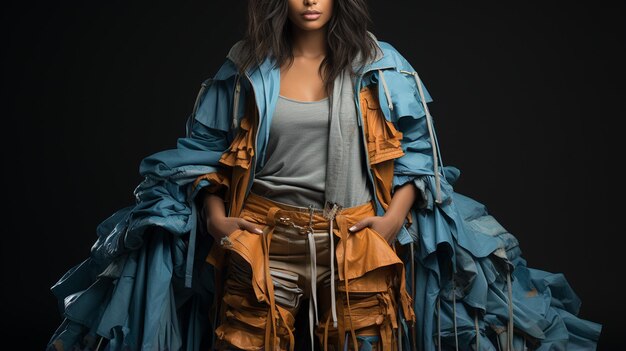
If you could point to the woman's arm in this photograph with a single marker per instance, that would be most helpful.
(218, 224)
(390, 223)
(403, 198)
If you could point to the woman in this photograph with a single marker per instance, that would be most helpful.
(305, 166)
(312, 158)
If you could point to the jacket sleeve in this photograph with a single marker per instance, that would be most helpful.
(174, 177)
(95, 295)
(209, 131)
(419, 141)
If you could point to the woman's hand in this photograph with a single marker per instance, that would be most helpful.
(387, 226)
(218, 224)
(390, 223)
(221, 226)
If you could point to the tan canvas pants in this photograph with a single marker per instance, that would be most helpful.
(267, 276)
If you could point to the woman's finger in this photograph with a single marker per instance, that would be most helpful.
(251, 227)
(365, 222)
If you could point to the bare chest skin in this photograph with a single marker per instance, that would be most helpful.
(301, 81)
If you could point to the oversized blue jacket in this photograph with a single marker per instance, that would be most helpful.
(145, 285)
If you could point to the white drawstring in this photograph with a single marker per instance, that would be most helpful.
(196, 104)
(439, 322)
(510, 303)
(456, 339)
(99, 343)
(477, 330)
(191, 246)
(330, 213)
(412, 249)
(313, 320)
(432, 136)
(236, 102)
(313, 317)
(333, 302)
(382, 79)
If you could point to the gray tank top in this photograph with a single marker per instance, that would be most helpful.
(295, 169)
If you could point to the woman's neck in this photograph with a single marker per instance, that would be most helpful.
(309, 43)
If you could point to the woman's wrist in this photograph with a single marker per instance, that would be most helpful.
(395, 218)
(214, 206)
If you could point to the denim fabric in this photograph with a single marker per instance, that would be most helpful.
(465, 273)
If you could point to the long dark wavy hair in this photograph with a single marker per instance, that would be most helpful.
(269, 33)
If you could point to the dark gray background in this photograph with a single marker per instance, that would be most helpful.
(527, 96)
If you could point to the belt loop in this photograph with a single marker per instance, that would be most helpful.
(271, 215)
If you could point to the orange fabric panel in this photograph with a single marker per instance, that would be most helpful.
(239, 157)
(369, 267)
(383, 145)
